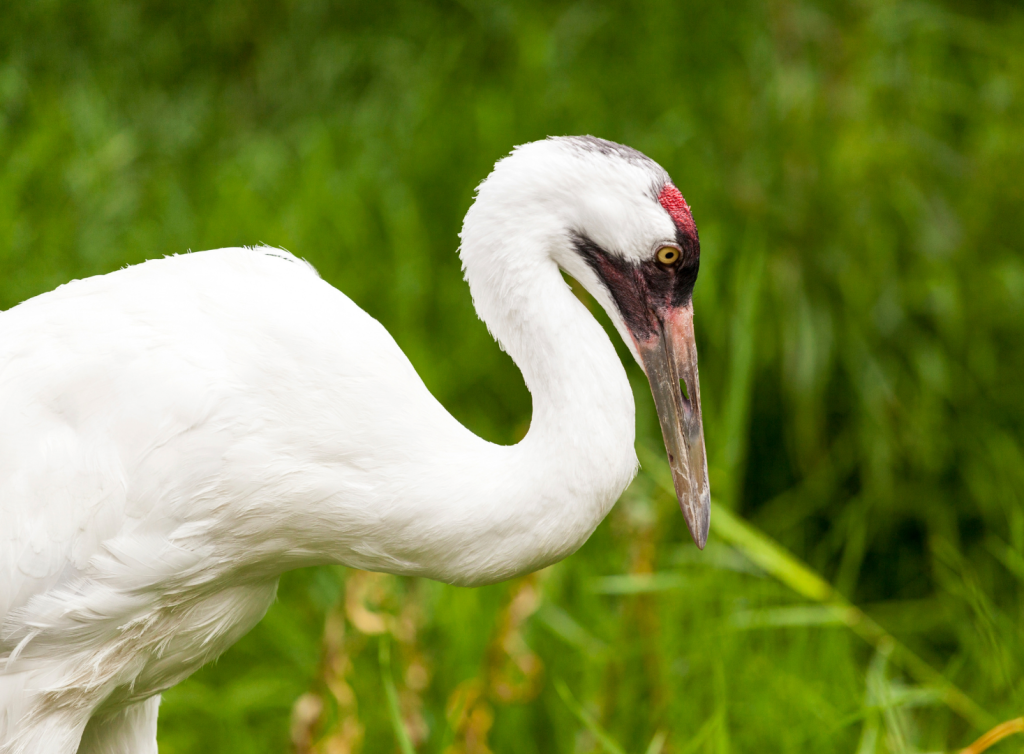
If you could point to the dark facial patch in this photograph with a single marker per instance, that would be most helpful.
(643, 291)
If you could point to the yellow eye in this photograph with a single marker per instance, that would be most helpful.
(668, 255)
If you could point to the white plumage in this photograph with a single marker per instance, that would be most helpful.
(175, 435)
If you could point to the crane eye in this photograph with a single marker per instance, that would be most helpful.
(668, 255)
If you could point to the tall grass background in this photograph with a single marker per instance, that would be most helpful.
(856, 169)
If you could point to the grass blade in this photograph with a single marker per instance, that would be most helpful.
(703, 734)
(996, 735)
(564, 626)
(610, 745)
(797, 615)
(404, 742)
(637, 583)
(657, 743)
(742, 346)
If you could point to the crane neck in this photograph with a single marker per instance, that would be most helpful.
(577, 384)
(578, 456)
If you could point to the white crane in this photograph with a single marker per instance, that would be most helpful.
(175, 435)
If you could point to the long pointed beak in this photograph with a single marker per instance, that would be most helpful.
(668, 358)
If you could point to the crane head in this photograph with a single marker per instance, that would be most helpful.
(640, 252)
(613, 219)
(654, 298)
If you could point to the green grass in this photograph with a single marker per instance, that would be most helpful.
(855, 172)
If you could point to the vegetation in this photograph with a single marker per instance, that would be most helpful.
(855, 169)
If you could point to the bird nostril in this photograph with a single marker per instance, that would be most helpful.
(686, 395)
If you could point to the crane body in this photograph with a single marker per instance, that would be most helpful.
(176, 435)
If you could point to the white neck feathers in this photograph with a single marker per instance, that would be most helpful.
(578, 456)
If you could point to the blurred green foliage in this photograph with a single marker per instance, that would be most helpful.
(855, 169)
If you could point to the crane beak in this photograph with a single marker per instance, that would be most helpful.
(670, 357)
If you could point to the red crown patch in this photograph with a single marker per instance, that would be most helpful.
(672, 200)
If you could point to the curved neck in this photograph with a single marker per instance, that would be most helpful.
(453, 507)
(582, 402)
(547, 494)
